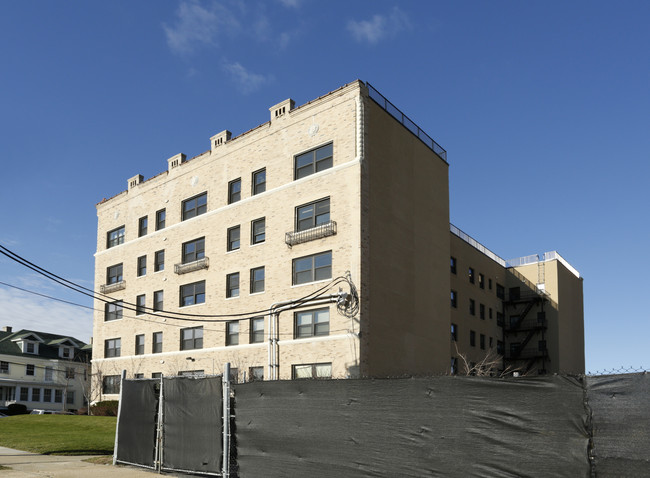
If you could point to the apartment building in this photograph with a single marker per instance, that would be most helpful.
(238, 255)
(42, 370)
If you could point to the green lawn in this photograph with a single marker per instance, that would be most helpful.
(59, 434)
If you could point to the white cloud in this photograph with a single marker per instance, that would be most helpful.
(379, 26)
(247, 82)
(197, 26)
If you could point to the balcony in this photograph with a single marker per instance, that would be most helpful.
(108, 288)
(181, 268)
(318, 232)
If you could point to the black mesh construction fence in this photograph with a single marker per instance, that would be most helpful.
(136, 433)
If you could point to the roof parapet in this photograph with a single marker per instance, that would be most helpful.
(220, 139)
(282, 108)
(175, 161)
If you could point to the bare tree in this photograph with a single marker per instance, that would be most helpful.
(489, 366)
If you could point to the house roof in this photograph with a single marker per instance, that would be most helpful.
(48, 343)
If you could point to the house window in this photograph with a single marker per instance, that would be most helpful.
(194, 250)
(255, 374)
(138, 375)
(232, 333)
(453, 265)
(313, 161)
(4, 367)
(114, 274)
(139, 344)
(161, 216)
(158, 300)
(256, 330)
(312, 268)
(142, 266)
(30, 370)
(482, 341)
(115, 237)
(501, 292)
(143, 225)
(112, 348)
(454, 366)
(233, 238)
(156, 375)
(24, 394)
(69, 372)
(49, 374)
(472, 307)
(232, 285)
(140, 302)
(58, 395)
(454, 333)
(312, 323)
(193, 293)
(195, 206)
(312, 370)
(481, 311)
(36, 394)
(159, 261)
(110, 384)
(471, 275)
(454, 299)
(259, 181)
(257, 280)
(234, 190)
(192, 338)
(47, 394)
(481, 281)
(30, 349)
(113, 310)
(313, 214)
(156, 342)
(472, 338)
(258, 231)
(66, 352)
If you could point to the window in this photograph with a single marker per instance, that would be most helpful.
(158, 300)
(312, 268)
(142, 266)
(159, 261)
(47, 394)
(143, 225)
(258, 231)
(234, 374)
(491, 342)
(232, 333)
(481, 311)
(500, 347)
(115, 237)
(66, 352)
(471, 275)
(4, 367)
(490, 312)
(257, 280)
(112, 348)
(161, 216)
(194, 250)
(30, 349)
(138, 375)
(36, 394)
(454, 299)
(114, 274)
(481, 281)
(313, 161)
(139, 344)
(490, 284)
(472, 307)
(233, 238)
(472, 338)
(501, 292)
(69, 372)
(140, 302)
(500, 320)
(195, 206)
(454, 332)
(453, 265)
(259, 181)
(156, 375)
(192, 338)
(454, 366)
(110, 384)
(58, 395)
(313, 214)
(234, 191)
(192, 293)
(30, 370)
(312, 323)
(312, 370)
(156, 343)
(232, 285)
(256, 330)
(482, 341)
(255, 374)
(113, 310)
(24, 394)
(49, 374)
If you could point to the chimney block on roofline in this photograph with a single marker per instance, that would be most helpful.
(175, 161)
(220, 139)
(281, 108)
(135, 180)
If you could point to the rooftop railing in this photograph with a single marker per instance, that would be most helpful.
(477, 245)
(547, 256)
(406, 122)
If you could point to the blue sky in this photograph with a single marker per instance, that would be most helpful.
(543, 107)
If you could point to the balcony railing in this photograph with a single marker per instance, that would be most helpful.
(181, 268)
(108, 288)
(318, 232)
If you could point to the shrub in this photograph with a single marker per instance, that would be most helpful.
(107, 408)
(16, 409)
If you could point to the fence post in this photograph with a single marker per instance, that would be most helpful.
(159, 425)
(225, 466)
(119, 411)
